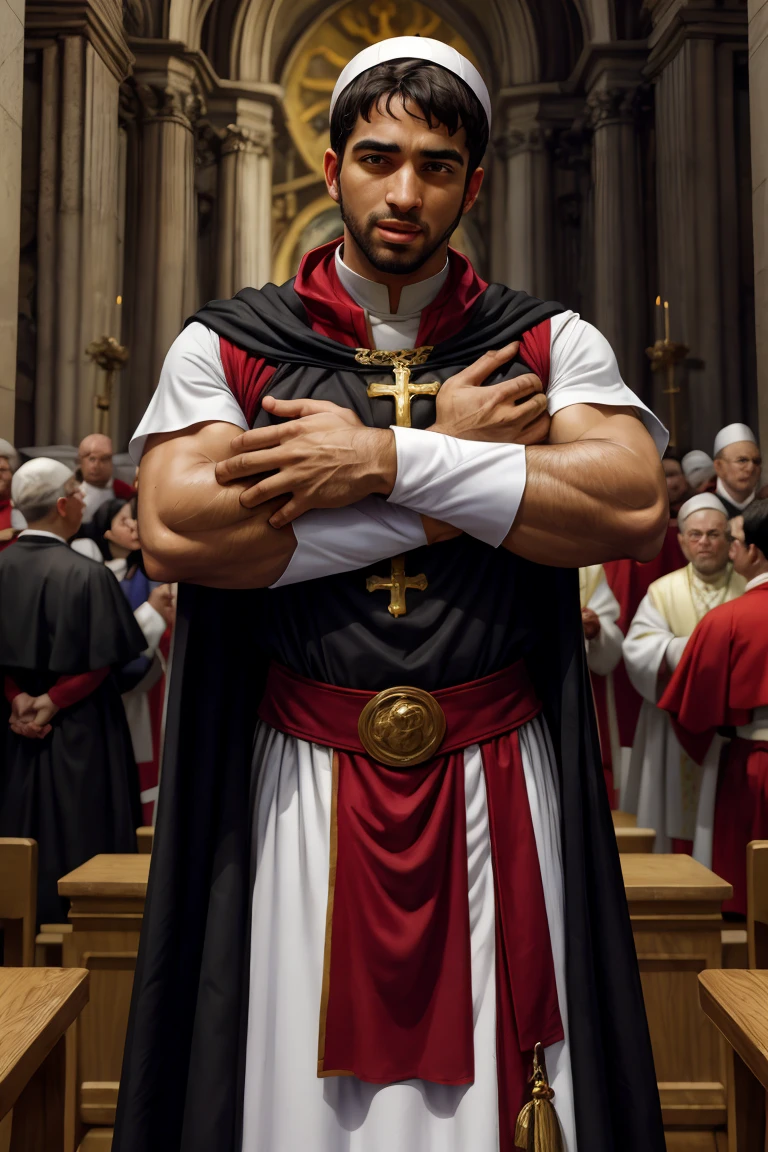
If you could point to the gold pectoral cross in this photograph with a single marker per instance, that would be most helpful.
(397, 585)
(402, 392)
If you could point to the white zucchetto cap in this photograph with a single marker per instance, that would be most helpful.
(733, 434)
(9, 452)
(37, 480)
(414, 48)
(697, 467)
(705, 500)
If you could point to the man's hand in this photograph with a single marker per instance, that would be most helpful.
(512, 412)
(591, 623)
(24, 719)
(322, 457)
(162, 600)
(7, 534)
(44, 709)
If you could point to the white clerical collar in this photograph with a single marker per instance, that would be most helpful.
(41, 532)
(374, 297)
(721, 490)
(756, 581)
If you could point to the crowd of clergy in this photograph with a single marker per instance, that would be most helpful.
(677, 649)
(84, 645)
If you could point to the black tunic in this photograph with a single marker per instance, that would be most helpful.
(181, 1084)
(76, 791)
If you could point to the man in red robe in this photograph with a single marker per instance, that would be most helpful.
(385, 866)
(722, 682)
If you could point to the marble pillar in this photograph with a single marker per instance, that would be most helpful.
(758, 98)
(78, 217)
(244, 234)
(165, 256)
(619, 306)
(523, 207)
(691, 63)
(11, 80)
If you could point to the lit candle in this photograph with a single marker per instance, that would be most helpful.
(666, 321)
(658, 318)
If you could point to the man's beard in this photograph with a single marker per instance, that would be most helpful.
(363, 237)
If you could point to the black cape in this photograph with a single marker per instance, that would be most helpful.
(76, 792)
(182, 1075)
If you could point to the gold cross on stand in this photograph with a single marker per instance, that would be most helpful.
(402, 392)
(398, 584)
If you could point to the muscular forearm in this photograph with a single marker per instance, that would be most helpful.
(587, 502)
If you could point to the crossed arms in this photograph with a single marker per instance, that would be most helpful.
(218, 506)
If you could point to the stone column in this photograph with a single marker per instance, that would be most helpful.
(78, 278)
(691, 62)
(620, 308)
(758, 99)
(244, 240)
(12, 23)
(527, 207)
(165, 259)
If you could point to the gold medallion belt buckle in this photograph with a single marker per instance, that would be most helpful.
(401, 727)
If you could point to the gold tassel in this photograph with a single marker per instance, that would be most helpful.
(537, 1128)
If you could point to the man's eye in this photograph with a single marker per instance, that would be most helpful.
(437, 167)
(373, 160)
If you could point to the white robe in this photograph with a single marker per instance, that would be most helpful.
(667, 790)
(604, 650)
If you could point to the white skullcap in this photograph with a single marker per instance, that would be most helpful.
(418, 48)
(38, 480)
(697, 467)
(7, 449)
(699, 503)
(733, 434)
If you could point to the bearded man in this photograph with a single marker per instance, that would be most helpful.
(666, 788)
(356, 931)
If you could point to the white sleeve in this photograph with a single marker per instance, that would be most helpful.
(152, 625)
(191, 390)
(604, 651)
(332, 540)
(648, 640)
(583, 370)
(474, 485)
(87, 547)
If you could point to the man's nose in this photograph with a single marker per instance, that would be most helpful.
(404, 191)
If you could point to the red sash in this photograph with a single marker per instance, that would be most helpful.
(397, 981)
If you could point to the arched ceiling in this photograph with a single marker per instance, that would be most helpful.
(516, 41)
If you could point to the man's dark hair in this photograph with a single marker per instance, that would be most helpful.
(442, 97)
(756, 525)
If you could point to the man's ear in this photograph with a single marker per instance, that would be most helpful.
(61, 505)
(332, 170)
(473, 188)
(718, 467)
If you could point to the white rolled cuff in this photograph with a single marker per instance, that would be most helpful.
(471, 484)
(674, 652)
(333, 540)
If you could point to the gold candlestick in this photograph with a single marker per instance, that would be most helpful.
(664, 355)
(110, 356)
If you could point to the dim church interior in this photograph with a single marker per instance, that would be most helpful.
(159, 153)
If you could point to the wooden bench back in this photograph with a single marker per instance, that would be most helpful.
(18, 900)
(757, 903)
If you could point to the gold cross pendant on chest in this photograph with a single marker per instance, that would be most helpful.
(402, 392)
(397, 585)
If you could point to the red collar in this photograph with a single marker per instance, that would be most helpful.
(332, 312)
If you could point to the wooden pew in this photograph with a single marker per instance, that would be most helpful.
(675, 909)
(674, 906)
(107, 904)
(757, 903)
(144, 838)
(629, 837)
(737, 1004)
(18, 900)
(37, 1006)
